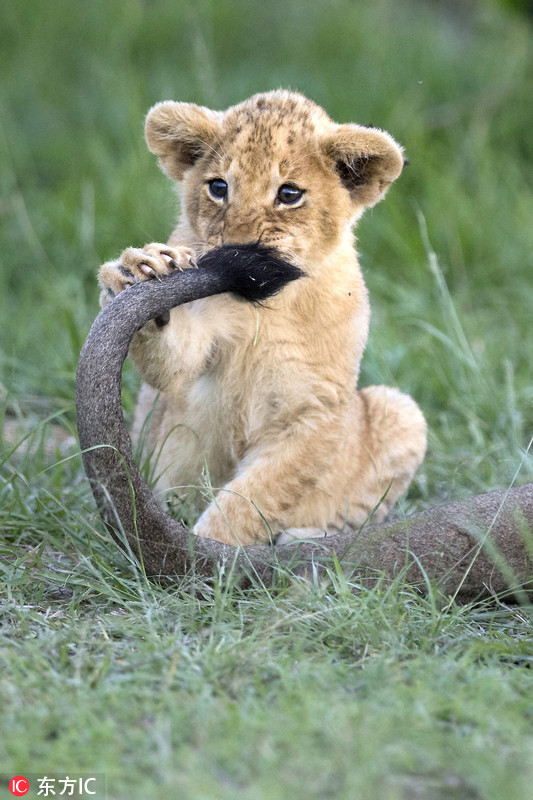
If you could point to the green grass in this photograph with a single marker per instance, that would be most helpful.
(309, 690)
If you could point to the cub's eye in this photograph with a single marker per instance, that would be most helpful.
(288, 194)
(218, 188)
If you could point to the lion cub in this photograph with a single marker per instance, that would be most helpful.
(263, 398)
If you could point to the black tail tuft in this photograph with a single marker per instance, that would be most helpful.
(253, 271)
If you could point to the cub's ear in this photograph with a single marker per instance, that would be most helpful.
(367, 161)
(180, 133)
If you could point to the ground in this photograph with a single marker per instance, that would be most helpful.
(304, 690)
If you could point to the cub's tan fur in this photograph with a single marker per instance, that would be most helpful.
(264, 398)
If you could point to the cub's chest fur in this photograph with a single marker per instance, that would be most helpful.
(265, 397)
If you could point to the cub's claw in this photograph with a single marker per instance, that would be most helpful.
(149, 272)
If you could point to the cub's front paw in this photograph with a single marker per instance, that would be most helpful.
(135, 264)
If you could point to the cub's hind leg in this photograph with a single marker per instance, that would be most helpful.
(392, 445)
(377, 467)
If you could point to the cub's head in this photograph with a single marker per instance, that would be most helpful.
(274, 168)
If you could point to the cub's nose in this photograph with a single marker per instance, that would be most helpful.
(242, 227)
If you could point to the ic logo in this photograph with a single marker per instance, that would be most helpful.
(19, 786)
